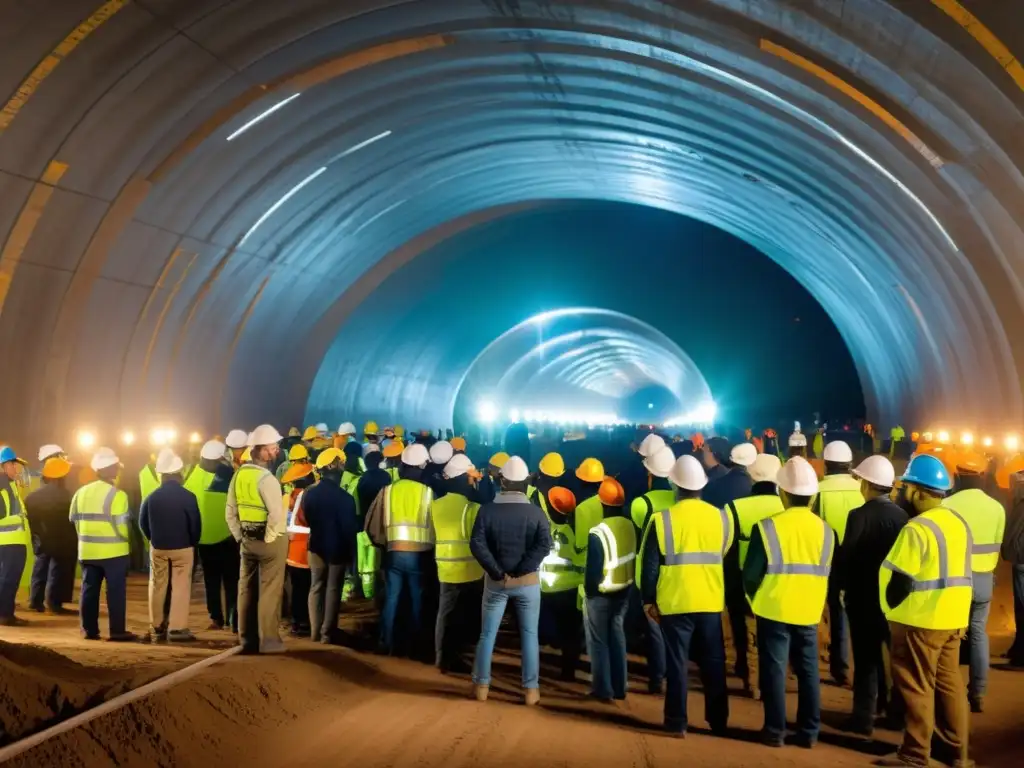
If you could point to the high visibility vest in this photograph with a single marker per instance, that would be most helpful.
(407, 512)
(13, 520)
(749, 511)
(298, 535)
(101, 517)
(987, 520)
(211, 506)
(149, 481)
(349, 481)
(588, 514)
(933, 549)
(559, 571)
(644, 507)
(537, 498)
(453, 516)
(838, 496)
(246, 482)
(618, 540)
(693, 538)
(799, 546)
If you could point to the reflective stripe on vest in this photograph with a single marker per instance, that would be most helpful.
(452, 517)
(293, 527)
(409, 519)
(644, 507)
(749, 512)
(559, 571)
(13, 524)
(618, 540)
(986, 519)
(248, 499)
(944, 580)
(693, 537)
(693, 558)
(776, 563)
(105, 516)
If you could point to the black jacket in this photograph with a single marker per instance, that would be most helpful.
(48, 509)
(1013, 538)
(170, 517)
(511, 536)
(330, 513)
(734, 484)
(871, 530)
(370, 484)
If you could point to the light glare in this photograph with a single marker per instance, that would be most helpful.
(261, 116)
(487, 411)
(86, 438)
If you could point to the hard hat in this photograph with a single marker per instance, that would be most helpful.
(348, 428)
(562, 499)
(611, 492)
(388, 431)
(329, 456)
(765, 468)
(297, 470)
(698, 440)
(415, 455)
(298, 452)
(915, 436)
(394, 449)
(650, 445)
(309, 433)
(552, 465)
(877, 470)
(458, 443)
(370, 428)
(743, 454)
(246, 455)
(236, 439)
(370, 448)
(48, 450)
(515, 470)
(590, 471)
(441, 452)
(798, 440)
(1013, 465)
(103, 458)
(928, 471)
(168, 462)
(399, 430)
(838, 452)
(321, 428)
(457, 466)
(661, 463)
(498, 460)
(687, 473)
(7, 454)
(264, 434)
(769, 434)
(971, 462)
(797, 477)
(294, 432)
(56, 467)
(212, 450)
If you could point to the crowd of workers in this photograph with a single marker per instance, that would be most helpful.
(686, 540)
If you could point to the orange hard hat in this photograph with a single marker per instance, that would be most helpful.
(611, 492)
(56, 467)
(971, 462)
(562, 499)
(915, 436)
(590, 471)
(697, 439)
(458, 443)
(393, 449)
(1012, 466)
(296, 470)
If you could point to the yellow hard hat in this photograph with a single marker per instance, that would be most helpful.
(246, 455)
(370, 428)
(498, 460)
(458, 443)
(393, 449)
(553, 465)
(56, 468)
(293, 432)
(329, 456)
(309, 433)
(590, 471)
(399, 430)
(298, 452)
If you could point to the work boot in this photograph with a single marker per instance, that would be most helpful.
(215, 625)
(532, 697)
(977, 705)
(480, 691)
(859, 727)
(60, 610)
(12, 621)
(124, 637)
(37, 608)
(180, 636)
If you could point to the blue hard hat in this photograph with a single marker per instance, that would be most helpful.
(7, 454)
(929, 472)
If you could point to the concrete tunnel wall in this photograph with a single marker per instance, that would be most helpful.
(130, 291)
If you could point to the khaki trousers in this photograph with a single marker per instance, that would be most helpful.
(260, 591)
(926, 672)
(172, 566)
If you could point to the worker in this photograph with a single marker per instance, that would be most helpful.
(48, 451)
(635, 478)
(1013, 552)
(297, 453)
(257, 520)
(218, 551)
(399, 523)
(510, 539)
(871, 531)
(237, 441)
(171, 522)
(797, 444)
(818, 444)
(839, 492)
(298, 478)
(987, 520)
(713, 454)
(309, 436)
(15, 535)
(101, 516)
(735, 482)
(762, 503)
(348, 430)
(488, 486)
(149, 478)
(684, 591)
(392, 452)
(352, 468)
(330, 513)
(441, 453)
(786, 577)
(54, 540)
(371, 436)
(550, 474)
(925, 593)
(369, 486)
(610, 570)
(461, 576)
(770, 443)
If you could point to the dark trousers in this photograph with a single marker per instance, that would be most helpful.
(53, 580)
(561, 618)
(403, 572)
(605, 622)
(838, 648)
(869, 634)
(114, 571)
(324, 596)
(12, 565)
(299, 580)
(736, 606)
(221, 562)
(458, 621)
(695, 636)
(1016, 652)
(777, 645)
(654, 643)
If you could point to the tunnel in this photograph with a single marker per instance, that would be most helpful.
(202, 203)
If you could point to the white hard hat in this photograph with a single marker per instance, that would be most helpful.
(49, 450)
(168, 462)
(369, 448)
(798, 440)
(415, 455)
(765, 468)
(743, 454)
(458, 466)
(348, 428)
(688, 474)
(237, 438)
(212, 450)
(515, 470)
(661, 462)
(103, 458)
(877, 470)
(321, 427)
(264, 434)
(441, 451)
(797, 477)
(650, 445)
(838, 452)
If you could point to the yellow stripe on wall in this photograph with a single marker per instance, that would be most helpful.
(995, 47)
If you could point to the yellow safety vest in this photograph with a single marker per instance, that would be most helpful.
(407, 512)
(933, 549)
(799, 547)
(537, 498)
(645, 507)
(101, 517)
(588, 514)
(693, 538)
(838, 496)
(618, 540)
(453, 516)
(252, 508)
(13, 520)
(149, 481)
(392, 473)
(558, 570)
(749, 511)
(212, 506)
(987, 520)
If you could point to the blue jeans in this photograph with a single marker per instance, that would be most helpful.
(977, 634)
(402, 571)
(526, 601)
(1016, 652)
(702, 632)
(777, 644)
(605, 620)
(12, 564)
(115, 571)
(839, 638)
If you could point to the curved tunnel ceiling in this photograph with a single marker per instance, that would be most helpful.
(151, 267)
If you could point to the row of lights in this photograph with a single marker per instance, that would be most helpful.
(1010, 442)
(87, 439)
(487, 412)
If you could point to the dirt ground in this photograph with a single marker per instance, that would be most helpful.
(317, 705)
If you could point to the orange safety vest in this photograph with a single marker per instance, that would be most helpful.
(298, 532)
